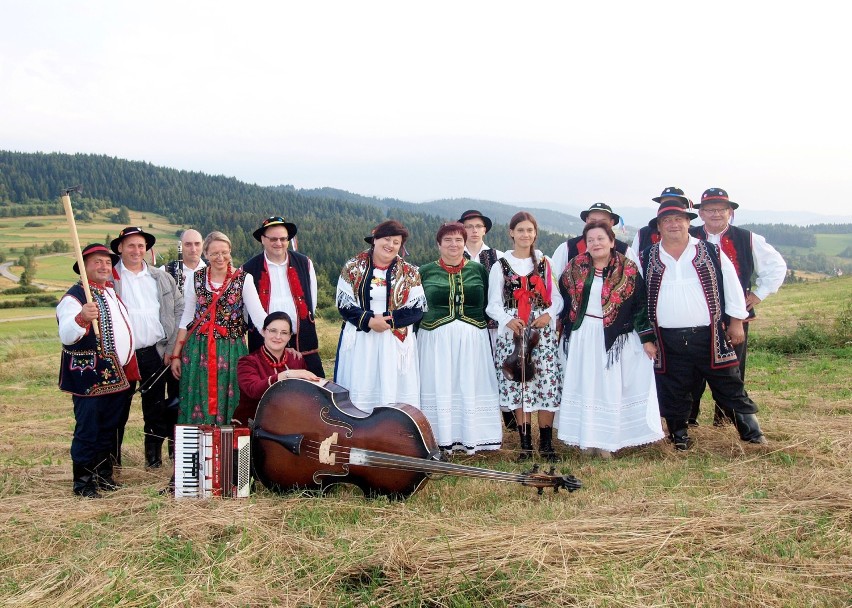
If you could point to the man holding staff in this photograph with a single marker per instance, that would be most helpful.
(96, 369)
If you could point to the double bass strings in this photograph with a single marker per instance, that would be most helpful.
(410, 463)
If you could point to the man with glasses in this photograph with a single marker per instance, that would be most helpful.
(697, 307)
(751, 256)
(286, 281)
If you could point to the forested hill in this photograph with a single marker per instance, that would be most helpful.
(330, 229)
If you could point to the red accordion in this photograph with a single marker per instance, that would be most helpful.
(212, 461)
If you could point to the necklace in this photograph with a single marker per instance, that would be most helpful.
(451, 269)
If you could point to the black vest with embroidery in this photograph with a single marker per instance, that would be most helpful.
(86, 369)
(647, 236)
(709, 269)
(306, 339)
(512, 281)
(736, 244)
(486, 257)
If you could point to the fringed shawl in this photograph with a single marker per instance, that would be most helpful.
(623, 301)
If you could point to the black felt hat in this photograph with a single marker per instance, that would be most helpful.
(471, 213)
(716, 195)
(600, 207)
(150, 239)
(671, 192)
(95, 248)
(275, 220)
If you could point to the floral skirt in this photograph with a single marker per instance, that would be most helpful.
(194, 404)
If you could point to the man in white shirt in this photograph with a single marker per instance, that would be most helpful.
(155, 306)
(751, 255)
(286, 281)
(697, 307)
(96, 369)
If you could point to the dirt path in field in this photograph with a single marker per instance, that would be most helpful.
(32, 318)
(6, 273)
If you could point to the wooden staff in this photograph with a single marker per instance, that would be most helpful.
(78, 251)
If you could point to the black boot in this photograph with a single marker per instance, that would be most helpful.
(84, 481)
(545, 445)
(678, 434)
(693, 415)
(153, 452)
(748, 428)
(509, 420)
(104, 474)
(526, 442)
(722, 416)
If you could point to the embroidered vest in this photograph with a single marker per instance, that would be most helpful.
(648, 236)
(85, 369)
(486, 257)
(229, 308)
(512, 281)
(736, 244)
(709, 269)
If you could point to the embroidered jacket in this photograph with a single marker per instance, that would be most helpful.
(91, 369)
(709, 269)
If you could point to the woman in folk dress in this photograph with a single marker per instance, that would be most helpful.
(380, 298)
(521, 292)
(458, 386)
(609, 399)
(205, 359)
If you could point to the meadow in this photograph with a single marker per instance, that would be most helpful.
(726, 524)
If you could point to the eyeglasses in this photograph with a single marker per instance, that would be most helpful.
(277, 239)
(278, 332)
(474, 226)
(721, 211)
(219, 255)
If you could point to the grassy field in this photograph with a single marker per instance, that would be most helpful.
(726, 524)
(14, 233)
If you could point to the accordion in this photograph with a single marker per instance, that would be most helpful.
(212, 461)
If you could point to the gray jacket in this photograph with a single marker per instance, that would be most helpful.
(171, 306)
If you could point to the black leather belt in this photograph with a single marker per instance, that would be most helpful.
(146, 349)
(677, 331)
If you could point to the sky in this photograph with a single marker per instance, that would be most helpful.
(556, 102)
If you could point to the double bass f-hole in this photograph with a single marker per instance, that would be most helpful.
(518, 366)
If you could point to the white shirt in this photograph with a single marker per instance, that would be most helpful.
(496, 308)
(475, 256)
(280, 296)
(71, 333)
(560, 258)
(770, 267)
(142, 298)
(251, 301)
(681, 300)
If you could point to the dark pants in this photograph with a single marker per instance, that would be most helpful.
(688, 356)
(97, 420)
(698, 392)
(155, 418)
(313, 363)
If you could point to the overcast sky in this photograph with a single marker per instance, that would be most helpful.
(508, 101)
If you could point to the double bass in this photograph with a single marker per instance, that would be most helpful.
(309, 436)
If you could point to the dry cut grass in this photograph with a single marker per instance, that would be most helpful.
(725, 525)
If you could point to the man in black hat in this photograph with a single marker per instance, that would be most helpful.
(751, 256)
(567, 251)
(650, 234)
(697, 307)
(97, 370)
(477, 226)
(155, 305)
(286, 281)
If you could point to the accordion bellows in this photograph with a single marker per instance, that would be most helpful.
(212, 461)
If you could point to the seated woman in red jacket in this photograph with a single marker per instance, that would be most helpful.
(264, 367)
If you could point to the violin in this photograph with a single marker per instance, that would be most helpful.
(518, 366)
(309, 436)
